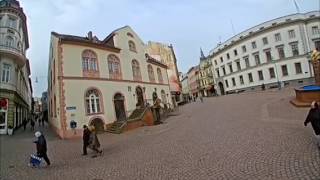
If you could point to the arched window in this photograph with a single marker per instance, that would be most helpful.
(132, 46)
(114, 67)
(151, 73)
(89, 61)
(10, 41)
(136, 70)
(160, 78)
(93, 101)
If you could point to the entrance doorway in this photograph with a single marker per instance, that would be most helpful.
(98, 124)
(119, 107)
(3, 122)
(221, 88)
(140, 99)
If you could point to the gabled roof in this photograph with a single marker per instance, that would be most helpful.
(94, 41)
(155, 62)
(113, 33)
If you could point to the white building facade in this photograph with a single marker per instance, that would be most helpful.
(272, 53)
(15, 83)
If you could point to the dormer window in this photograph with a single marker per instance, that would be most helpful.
(130, 35)
(132, 46)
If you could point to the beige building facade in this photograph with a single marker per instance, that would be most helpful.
(165, 54)
(99, 82)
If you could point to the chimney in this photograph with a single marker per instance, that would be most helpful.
(90, 35)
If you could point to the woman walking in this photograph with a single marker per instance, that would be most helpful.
(314, 118)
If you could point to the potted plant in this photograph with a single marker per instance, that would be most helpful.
(10, 130)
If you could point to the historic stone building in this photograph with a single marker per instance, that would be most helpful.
(166, 55)
(15, 83)
(206, 79)
(274, 53)
(99, 82)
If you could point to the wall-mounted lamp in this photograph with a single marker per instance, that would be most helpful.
(129, 88)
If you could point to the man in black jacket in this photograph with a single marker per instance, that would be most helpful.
(42, 147)
(85, 137)
(314, 118)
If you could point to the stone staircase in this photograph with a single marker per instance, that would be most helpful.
(118, 126)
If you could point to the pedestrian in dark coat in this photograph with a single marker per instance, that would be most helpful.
(32, 123)
(314, 118)
(42, 147)
(24, 124)
(94, 143)
(85, 137)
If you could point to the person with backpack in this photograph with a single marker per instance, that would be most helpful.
(314, 118)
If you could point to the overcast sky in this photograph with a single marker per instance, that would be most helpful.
(186, 24)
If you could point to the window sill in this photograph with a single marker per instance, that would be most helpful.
(91, 114)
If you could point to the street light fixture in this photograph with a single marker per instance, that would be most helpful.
(277, 75)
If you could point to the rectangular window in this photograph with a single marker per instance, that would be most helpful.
(317, 45)
(298, 68)
(221, 59)
(281, 52)
(257, 59)
(218, 73)
(277, 37)
(254, 45)
(284, 70)
(265, 40)
(315, 30)
(215, 62)
(244, 49)
(233, 82)
(228, 56)
(235, 52)
(292, 34)
(241, 79)
(227, 84)
(238, 65)
(230, 67)
(271, 72)
(246, 60)
(6, 72)
(250, 77)
(12, 22)
(224, 70)
(260, 74)
(295, 50)
(268, 56)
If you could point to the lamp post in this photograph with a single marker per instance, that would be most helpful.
(277, 75)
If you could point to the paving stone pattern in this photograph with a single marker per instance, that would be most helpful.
(243, 136)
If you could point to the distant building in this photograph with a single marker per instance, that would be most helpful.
(15, 82)
(274, 53)
(101, 81)
(37, 105)
(206, 78)
(185, 87)
(166, 55)
(44, 101)
(193, 80)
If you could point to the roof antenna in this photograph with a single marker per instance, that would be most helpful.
(296, 5)
(234, 32)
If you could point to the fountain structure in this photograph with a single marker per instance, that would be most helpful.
(306, 94)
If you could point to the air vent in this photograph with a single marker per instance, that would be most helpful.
(288, 19)
(250, 32)
(261, 28)
(273, 24)
(312, 15)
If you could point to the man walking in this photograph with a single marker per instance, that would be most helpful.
(85, 137)
(314, 118)
(42, 147)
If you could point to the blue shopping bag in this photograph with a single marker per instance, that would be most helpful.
(35, 161)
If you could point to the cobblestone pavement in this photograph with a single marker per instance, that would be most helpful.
(243, 136)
